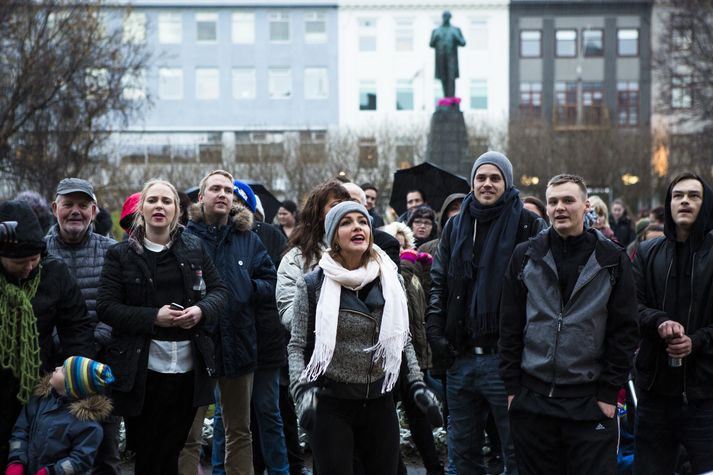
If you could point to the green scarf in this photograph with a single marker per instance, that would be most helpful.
(19, 338)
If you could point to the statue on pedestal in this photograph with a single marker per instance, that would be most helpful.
(446, 39)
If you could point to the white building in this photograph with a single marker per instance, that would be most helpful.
(386, 67)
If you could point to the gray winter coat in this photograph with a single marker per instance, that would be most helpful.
(85, 261)
(288, 273)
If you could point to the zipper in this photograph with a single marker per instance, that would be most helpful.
(373, 342)
(554, 356)
(688, 325)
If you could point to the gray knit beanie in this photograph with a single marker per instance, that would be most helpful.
(497, 159)
(331, 221)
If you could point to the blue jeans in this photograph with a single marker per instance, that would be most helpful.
(662, 424)
(217, 458)
(473, 388)
(266, 403)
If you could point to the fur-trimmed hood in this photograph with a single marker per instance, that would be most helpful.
(240, 216)
(93, 408)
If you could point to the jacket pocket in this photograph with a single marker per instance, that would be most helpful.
(122, 356)
(205, 346)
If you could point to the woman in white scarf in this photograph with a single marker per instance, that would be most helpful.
(355, 306)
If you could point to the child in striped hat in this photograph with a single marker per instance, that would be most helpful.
(59, 431)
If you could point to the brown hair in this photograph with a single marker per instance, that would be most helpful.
(202, 185)
(369, 254)
(563, 178)
(309, 232)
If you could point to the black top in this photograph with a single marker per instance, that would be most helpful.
(570, 255)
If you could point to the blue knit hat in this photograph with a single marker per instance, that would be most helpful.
(497, 159)
(84, 377)
(246, 194)
(331, 221)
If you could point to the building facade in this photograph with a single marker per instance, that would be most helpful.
(581, 64)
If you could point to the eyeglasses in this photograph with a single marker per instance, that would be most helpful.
(422, 222)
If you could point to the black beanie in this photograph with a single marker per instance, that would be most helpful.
(30, 240)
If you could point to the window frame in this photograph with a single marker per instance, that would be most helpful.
(362, 83)
(233, 35)
(215, 21)
(198, 70)
(623, 103)
(638, 43)
(271, 19)
(471, 96)
(178, 15)
(181, 88)
(574, 42)
(271, 76)
(307, 18)
(405, 86)
(520, 42)
(584, 45)
(326, 82)
(529, 109)
(234, 91)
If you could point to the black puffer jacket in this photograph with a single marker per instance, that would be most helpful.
(248, 272)
(127, 303)
(85, 261)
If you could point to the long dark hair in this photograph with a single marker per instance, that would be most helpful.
(309, 232)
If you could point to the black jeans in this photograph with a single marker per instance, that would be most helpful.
(345, 429)
(663, 424)
(158, 434)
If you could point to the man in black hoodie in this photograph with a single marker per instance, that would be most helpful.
(674, 276)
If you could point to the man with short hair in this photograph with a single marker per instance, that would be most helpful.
(372, 194)
(414, 199)
(674, 366)
(245, 267)
(568, 333)
(72, 239)
(464, 311)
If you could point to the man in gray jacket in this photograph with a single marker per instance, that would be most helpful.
(568, 331)
(72, 239)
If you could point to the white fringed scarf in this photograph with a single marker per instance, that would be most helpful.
(394, 331)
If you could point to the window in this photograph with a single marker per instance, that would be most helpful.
(243, 83)
(367, 34)
(627, 103)
(681, 33)
(279, 83)
(243, 28)
(593, 43)
(207, 83)
(478, 94)
(368, 153)
(404, 95)
(566, 43)
(210, 153)
(681, 91)
(437, 92)
(404, 34)
(259, 147)
(627, 42)
(316, 85)
(135, 28)
(592, 103)
(315, 28)
(478, 34)
(279, 27)
(367, 95)
(530, 99)
(530, 43)
(206, 27)
(405, 156)
(134, 86)
(170, 28)
(566, 102)
(313, 147)
(170, 83)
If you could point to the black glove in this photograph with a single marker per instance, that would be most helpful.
(443, 350)
(427, 402)
(307, 408)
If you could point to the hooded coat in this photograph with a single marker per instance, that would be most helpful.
(57, 432)
(243, 263)
(655, 279)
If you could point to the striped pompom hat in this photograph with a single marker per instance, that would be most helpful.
(84, 377)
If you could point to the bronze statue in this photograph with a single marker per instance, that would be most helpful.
(446, 39)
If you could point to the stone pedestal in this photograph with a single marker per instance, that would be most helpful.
(448, 141)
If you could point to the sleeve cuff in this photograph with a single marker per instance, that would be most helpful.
(607, 393)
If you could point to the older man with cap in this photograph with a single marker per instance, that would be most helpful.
(37, 295)
(463, 313)
(72, 239)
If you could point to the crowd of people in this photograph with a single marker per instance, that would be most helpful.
(498, 316)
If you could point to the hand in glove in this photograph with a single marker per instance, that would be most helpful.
(444, 351)
(307, 408)
(427, 402)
